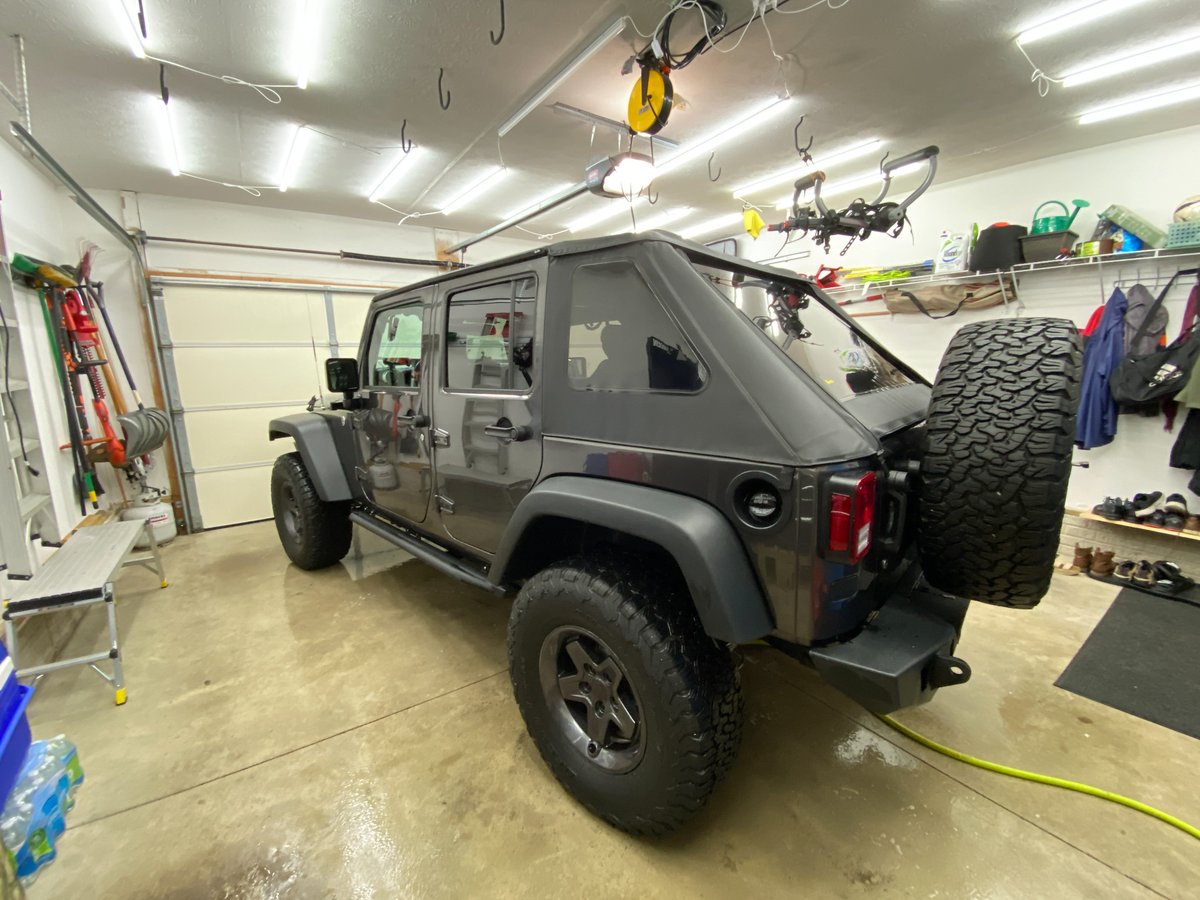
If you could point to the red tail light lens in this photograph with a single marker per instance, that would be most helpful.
(851, 518)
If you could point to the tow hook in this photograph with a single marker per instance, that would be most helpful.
(945, 670)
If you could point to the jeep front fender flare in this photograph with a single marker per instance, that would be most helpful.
(314, 439)
(724, 589)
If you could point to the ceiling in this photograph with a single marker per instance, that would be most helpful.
(943, 72)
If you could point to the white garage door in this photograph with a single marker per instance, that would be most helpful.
(234, 358)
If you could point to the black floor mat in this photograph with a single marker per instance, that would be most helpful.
(1188, 595)
(1143, 658)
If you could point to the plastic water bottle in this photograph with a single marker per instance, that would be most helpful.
(35, 815)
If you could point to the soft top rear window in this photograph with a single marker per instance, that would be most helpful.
(838, 358)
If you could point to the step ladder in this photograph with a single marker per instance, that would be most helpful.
(26, 509)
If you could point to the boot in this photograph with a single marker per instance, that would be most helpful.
(1083, 559)
(1102, 563)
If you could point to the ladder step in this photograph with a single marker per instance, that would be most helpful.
(14, 446)
(32, 504)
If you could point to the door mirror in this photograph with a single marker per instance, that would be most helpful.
(341, 375)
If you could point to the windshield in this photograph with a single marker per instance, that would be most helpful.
(814, 337)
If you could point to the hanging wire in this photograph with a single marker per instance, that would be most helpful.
(1038, 77)
(254, 190)
(267, 91)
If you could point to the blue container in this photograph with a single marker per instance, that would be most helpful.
(14, 743)
(8, 684)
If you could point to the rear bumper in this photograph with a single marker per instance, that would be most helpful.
(902, 656)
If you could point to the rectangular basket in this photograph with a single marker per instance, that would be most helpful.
(1183, 234)
(1151, 235)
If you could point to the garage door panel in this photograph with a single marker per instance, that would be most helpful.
(218, 314)
(218, 376)
(237, 495)
(349, 315)
(232, 437)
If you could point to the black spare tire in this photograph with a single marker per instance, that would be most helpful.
(994, 475)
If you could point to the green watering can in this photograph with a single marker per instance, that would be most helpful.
(1047, 224)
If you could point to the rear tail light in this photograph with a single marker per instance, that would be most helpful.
(852, 516)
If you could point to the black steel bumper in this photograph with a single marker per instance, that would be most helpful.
(902, 656)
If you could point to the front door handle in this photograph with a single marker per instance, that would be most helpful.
(415, 421)
(508, 433)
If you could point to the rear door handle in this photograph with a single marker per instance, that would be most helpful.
(509, 433)
(416, 420)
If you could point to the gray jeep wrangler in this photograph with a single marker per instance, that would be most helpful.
(665, 452)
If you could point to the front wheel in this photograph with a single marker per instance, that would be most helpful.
(636, 711)
(314, 533)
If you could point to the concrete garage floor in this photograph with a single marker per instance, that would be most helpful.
(294, 734)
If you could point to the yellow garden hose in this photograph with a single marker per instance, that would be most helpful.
(1044, 779)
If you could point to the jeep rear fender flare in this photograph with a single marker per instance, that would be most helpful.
(314, 440)
(727, 596)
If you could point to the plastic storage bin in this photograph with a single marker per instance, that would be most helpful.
(1041, 247)
(1183, 234)
(1151, 235)
(14, 742)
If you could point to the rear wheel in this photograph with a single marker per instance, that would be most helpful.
(994, 476)
(633, 707)
(314, 533)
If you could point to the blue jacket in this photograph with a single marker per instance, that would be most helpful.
(1097, 424)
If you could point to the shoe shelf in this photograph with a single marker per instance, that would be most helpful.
(1091, 516)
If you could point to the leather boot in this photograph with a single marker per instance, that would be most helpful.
(1083, 558)
(1102, 563)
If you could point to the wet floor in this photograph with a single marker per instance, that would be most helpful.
(351, 733)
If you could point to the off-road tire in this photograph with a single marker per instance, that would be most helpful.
(322, 531)
(687, 687)
(994, 475)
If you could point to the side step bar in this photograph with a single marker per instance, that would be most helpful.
(422, 551)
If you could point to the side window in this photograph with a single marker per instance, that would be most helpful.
(489, 336)
(621, 337)
(394, 354)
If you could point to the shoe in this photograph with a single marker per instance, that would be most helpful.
(1124, 569)
(1133, 517)
(1192, 523)
(1177, 504)
(1169, 576)
(1144, 573)
(1110, 509)
(1156, 519)
(1083, 558)
(1102, 563)
(1173, 521)
(1143, 504)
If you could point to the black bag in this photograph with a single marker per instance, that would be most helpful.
(1160, 374)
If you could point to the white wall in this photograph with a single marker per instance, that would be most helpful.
(1148, 175)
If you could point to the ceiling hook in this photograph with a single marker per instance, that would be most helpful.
(405, 145)
(711, 176)
(497, 38)
(882, 161)
(162, 84)
(443, 95)
(803, 151)
(649, 199)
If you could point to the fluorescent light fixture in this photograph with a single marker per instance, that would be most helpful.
(622, 175)
(480, 185)
(1131, 105)
(534, 204)
(609, 211)
(1139, 59)
(760, 115)
(548, 87)
(665, 218)
(296, 147)
(833, 188)
(710, 225)
(308, 13)
(1080, 15)
(791, 173)
(130, 27)
(388, 179)
(166, 128)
